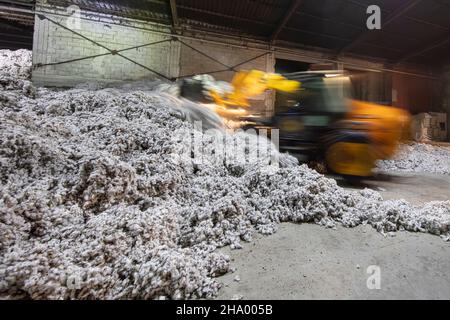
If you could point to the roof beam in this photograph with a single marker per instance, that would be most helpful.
(21, 3)
(227, 16)
(6, 35)
(287, 16)
(15, 24)
(174, 13)
(420, 51)
(391, 18)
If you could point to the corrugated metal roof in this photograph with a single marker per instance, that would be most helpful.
(332, 24)
(335, 25)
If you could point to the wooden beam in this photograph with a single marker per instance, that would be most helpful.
(419, 51)
(174, 12)
(391, 18)
(287, 16)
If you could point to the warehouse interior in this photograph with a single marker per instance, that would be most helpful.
(404, 64)
(65, 58)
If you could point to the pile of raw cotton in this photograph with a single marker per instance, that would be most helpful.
(98, 201)
(419, 157)
(15, 69)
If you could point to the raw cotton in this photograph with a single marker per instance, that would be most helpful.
(98, 202)
(15, 72)
(419, 157)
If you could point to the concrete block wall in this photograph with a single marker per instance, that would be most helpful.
(53, 43)
(192, 62)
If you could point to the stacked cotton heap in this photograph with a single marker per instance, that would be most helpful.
(419, 157)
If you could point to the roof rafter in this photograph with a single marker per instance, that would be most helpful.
(419, 51)
(223, 15)
(287, 16)
(174, 13)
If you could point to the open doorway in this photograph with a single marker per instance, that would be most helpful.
(289, 66)
(282, 66)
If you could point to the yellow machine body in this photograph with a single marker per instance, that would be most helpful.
(247, 84)
(386, 125)
(351, 159)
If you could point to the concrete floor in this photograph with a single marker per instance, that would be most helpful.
(417, 188)
(310, 262)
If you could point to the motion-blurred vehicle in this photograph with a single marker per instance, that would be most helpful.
(231, 99)
(317, 121)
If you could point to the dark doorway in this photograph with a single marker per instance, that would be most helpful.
(289, 66)
(17, 25)
(282, 100)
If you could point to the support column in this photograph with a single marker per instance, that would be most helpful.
(271, 94)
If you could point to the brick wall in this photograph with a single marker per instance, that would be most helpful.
(53, 43)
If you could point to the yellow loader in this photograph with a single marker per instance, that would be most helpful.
(318, 122)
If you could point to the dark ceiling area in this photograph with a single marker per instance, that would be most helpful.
(414, 31)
